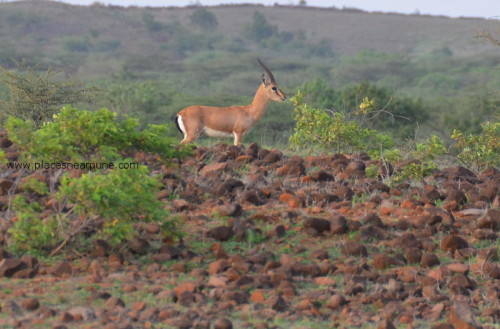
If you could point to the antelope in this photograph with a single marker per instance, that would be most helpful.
(230, 121)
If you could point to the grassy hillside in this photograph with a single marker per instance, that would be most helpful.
(153, 62)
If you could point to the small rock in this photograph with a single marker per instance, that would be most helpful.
(61, 268)
(325, 281)
(386, 324)
(213, 167)
(413, 255)
(319, 224)
(290, 199)
(230, 209)
(5, 186)
(335, 302)
(430, 260)
(180, 204)
(319, 254)
(138, 245)
(184, 287)
(30, 304)
(279, 304)
(223, 324)
(292, 168)
(352, 248)
(9, 266)
(257, 296)
(280, 231)
(66, 317)
(218, 266)
(453, 242)
(4, 254)
(456, 196)
(86, 313)
(338, 225)
(355, 169)
(458, 268)
(115, 301)
(221, 233)
(460, 315)
(383, 261)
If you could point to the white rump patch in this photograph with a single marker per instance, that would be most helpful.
(216, 133)
(181, 125)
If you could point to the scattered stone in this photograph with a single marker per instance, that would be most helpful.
(10, 266)
(223, 324)
(338, 225)
(335, 302)
(319, 224)
(61, 268)
(5, 186)
(386, 324)
(383, 261)
(138, 245)
(221, 233)
(278, 304)
(352, 248)
(30, 304)
(413, 255)
(230, 210)
(213, 167)
(180, 205)
(430, 260)
(85, 313)
(460, 316)
(114, 302)
(453, 242)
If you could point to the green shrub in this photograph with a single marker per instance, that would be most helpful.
(396, 115)
(77, 135)
(30, 232)
(479, 151)
(104, 205)
(333, 131)
(119, 198)
(33, 184)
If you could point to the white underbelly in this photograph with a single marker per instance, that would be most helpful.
(216, 133)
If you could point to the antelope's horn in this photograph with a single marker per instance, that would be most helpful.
(268, 71)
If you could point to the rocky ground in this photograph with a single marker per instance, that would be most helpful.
(281, 242)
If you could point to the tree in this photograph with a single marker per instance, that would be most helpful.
(204, 19)
(37, 97)
(260, 29)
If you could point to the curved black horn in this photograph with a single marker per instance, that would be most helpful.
(268, 71)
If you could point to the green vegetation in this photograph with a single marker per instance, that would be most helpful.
(333, 131)
(38, 97)
(77, 135)
(368, 94)
(151, 63)
(105, 202)
(479, 151)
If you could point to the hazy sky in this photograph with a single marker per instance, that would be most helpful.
(476, 8)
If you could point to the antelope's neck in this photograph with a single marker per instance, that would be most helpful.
(258, 106)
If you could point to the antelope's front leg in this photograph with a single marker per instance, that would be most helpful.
(237, 138)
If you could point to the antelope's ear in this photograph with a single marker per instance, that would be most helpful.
(265, 79)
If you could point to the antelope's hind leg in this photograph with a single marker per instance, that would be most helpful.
(190, 133)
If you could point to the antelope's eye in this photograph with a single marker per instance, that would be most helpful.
(274, 88)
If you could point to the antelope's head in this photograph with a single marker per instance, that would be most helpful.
(270, 85)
